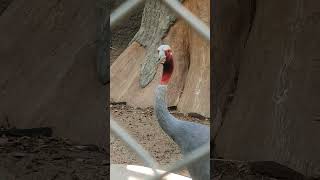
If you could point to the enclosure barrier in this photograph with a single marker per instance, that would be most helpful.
(122, 12)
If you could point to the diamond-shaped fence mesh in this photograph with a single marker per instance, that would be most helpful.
(122, 12)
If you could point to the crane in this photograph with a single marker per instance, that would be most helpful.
(187, 135)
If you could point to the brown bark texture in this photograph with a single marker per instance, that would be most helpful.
(48, 69)
(272, 50)
(134, 75)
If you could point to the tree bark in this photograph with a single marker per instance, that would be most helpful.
(274, 112)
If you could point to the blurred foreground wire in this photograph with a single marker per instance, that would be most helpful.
(191, 19)
(123, 11)
(134, 145)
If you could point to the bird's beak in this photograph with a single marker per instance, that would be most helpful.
(162, 60)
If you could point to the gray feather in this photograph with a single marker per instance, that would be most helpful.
(187, 135)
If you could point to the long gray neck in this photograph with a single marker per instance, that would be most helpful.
(167, 122)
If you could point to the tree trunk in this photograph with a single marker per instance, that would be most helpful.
(134, 75)
(274, 114)
(48, 69)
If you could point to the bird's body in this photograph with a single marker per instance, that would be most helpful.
(187, 135)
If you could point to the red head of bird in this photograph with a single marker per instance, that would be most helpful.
(166, 59)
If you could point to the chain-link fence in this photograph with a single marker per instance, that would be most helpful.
(200, 27)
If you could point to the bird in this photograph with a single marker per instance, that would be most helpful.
(187, 135)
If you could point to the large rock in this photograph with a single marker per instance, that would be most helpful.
(48, 69)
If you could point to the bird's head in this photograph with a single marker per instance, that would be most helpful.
(164, 52)
(166, 59)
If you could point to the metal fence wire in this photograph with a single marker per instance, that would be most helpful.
(121, 13)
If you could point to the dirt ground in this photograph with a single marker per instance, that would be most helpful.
(30, 158)
(143, 126)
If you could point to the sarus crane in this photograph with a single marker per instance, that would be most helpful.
(187, 135)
